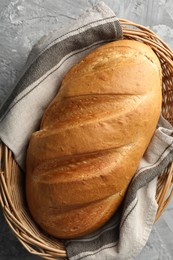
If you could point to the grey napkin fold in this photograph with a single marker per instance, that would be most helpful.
(47, 64)
(126, 233)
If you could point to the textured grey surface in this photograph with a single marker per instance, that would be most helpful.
(22, 23)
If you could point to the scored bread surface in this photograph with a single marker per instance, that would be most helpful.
(92, 137)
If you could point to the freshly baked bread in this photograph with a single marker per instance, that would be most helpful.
(92, 137)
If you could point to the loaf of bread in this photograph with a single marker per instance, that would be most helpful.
(92, 137)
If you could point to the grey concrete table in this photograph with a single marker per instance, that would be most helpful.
(22, 23)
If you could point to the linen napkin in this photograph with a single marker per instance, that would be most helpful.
(124, 236)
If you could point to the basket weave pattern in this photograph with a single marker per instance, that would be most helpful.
(12, 182)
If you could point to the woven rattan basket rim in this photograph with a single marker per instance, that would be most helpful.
(49, 248)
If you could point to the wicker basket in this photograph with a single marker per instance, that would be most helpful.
(12, 197)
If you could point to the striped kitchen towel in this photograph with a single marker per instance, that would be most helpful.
(126, 233)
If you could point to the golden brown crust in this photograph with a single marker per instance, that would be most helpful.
(92, 137)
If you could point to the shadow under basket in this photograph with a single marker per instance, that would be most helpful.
(12, 198)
